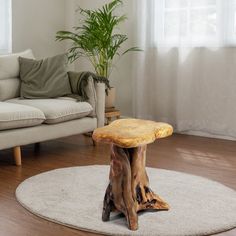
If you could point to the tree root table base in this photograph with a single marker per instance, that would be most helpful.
(128, 190)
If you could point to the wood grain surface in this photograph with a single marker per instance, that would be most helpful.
(130, 133)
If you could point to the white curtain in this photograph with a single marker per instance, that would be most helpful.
(5, 26)
(186, 74)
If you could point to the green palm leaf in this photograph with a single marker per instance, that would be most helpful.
(95, 39)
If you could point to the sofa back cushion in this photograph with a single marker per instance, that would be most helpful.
(9, 88)
(9, 74)
(9, 64)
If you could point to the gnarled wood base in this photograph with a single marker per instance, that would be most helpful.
(128, 190)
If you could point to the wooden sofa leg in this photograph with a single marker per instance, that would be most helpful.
(37, 147)
(17, 155)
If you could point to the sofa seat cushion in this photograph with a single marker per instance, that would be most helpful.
(14, 116)
(57, 110)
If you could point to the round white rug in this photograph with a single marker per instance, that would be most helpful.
(74, 197)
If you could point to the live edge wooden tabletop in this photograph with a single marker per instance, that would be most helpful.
(130, 133)
(128, 190)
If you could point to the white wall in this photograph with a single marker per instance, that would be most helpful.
(34, 25)
(121, 76)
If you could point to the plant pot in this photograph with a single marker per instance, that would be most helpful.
(110, 98)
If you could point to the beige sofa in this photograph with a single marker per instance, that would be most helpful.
(28, 121)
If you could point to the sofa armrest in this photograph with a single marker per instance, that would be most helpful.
(96, 97)
(86, 85)
(100, 104)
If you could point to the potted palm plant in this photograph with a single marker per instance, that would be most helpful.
(97, 38)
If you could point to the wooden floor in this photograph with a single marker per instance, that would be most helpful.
(211, 158)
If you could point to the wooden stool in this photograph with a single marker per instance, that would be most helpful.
(112, 113)
(128, 190)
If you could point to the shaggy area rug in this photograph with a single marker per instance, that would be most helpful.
(74, 197)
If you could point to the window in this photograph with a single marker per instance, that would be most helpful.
(196, 22)
(5, 26)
